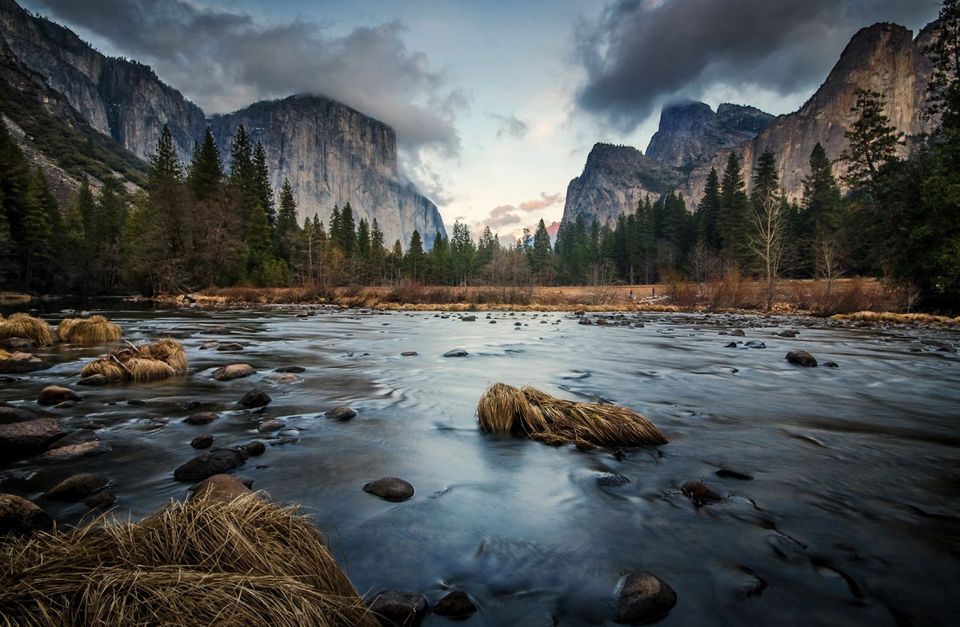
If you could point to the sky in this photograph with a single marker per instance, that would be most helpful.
(496, 103)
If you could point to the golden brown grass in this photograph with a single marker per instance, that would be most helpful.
(201, 562)
(26, 326)
(146, 362)
(92, 330)
(899, 318)
(506, 409)
(4, 354)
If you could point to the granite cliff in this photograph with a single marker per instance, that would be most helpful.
(692, 139)
(329, 152)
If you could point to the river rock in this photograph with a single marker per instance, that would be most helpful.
(55, 394)
(802, 358)
(230, 347)
(737, 333)
(468, 318)
(291, 369)
(409, 354)
(254, 449)
(399, 609)
(283, 378)
(76, 488)
(269, 426)
(19, 363)
(754, 344)
(730, 345)
(209, 344)
(390, 489)
(831, 364)
(20, 440)
(10, 414)
(788, 333)
(221, 488)
(94, 380)
(204, 440)
(79, 436)
(18, 516)
(202, 418)
(644, 597)
(456, 605)
(75, 451)
(341, 413)
(255, 398)
(700, 493)
(456, 352)
(233, 371)
(213, 462)
(17, 344)
(726, 473)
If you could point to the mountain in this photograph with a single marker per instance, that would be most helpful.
(329, 152)
(690, 132)
(885, 58)
(614, 180)
(692, 139)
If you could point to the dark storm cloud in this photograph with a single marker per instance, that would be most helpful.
(641, 53)
(224, 60)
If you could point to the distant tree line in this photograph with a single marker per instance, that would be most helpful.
(200, 226)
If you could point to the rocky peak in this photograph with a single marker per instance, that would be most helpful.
(691, 133)
(614, 180)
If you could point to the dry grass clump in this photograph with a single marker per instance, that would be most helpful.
(506, 409)
(4, 355)
(897, 318)
(147, 362)
(92, 330)
(201, 562)
(26, 326)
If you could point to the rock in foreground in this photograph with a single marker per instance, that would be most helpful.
(18, 516)
(802, 358)
(399, 609)
(390, 489)
(644, 597)
(213, 462)
(76, 488)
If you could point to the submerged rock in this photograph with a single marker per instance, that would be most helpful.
(230, 347)
(737, 333)
(802, 358)
(94, 380)
(726, 473)
(644, 597)
(74, 451)
(456, 604)
(470, 318)
(456, 352)
(55, 394)
(233, 371)
(254, 449)
(754, 344)
(202, 441)
(390, 489)
(255, 398)
(788, 333)
(76, 488)
(399, 609)
(214, 462)
(101, 501)
(20, 517)
(341, 413)
(291, 369)
(700, 493)
(202, 418)
(10, 414)
(409, 354)
(20, 363)
(220, 487)
(268, 426)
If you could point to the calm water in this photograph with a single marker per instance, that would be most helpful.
(852, 515)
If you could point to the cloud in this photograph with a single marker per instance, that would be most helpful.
(505, 215)
(641, 53)
(510, 126)
(224, 59)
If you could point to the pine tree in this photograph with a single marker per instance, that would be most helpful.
(259, 244)
(872, 142)
(816, 225)
(540, 256)
(767, 236)
(413, 261)
(734, 218)
(462, 253)
(287, 226)
(262, 190)
(363, 240)
(37, 242)
(440, 262)
(205, 174)
(14, 181)
(708, 213)
(377, 252)
(347, 235)
(242, 173)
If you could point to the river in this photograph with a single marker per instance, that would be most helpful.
(851, 514)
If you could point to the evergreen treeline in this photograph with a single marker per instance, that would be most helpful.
(202, 225)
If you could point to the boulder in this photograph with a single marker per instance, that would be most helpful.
(802, 358)
(390, 489)
(342, 413)
(220, 487)
(17, 344)
(456, 352)
(213, 462)
(202, 418)
(455, 605)
(20, 440)
(255, 398)
(399, 609)
(78, 436)
(202, 441)
(19, 363)
(233, 371)
(76, 488)
(644, 597)
(269, 426)
(55, 394)
(20, 517)
(75, 451)
(254, 449)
